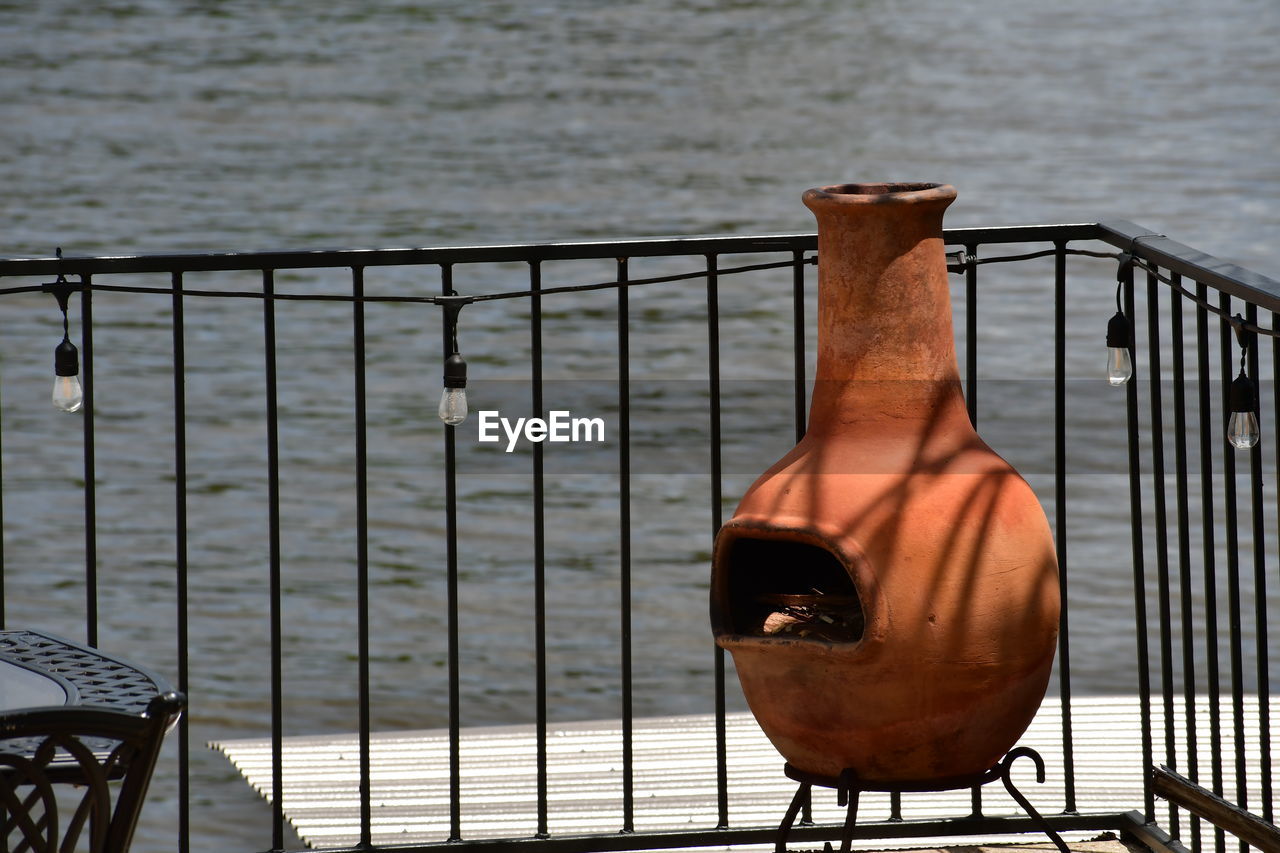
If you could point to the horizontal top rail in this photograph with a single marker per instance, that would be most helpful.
(339, 258)
(1192, 263)
(1124, 235)
(651, 247)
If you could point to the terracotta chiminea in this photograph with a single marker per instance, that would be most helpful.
(888, 589)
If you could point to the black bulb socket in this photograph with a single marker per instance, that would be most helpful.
(1243, 396)
(1118, 331)
(66, 359)
(455, 372)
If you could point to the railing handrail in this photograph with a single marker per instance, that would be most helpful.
(1123, 234)
(633, 248)
(347, 258)
(1191, 263)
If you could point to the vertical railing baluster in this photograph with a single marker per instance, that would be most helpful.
(1139, 560)
(1208, 535)
(273, 537)
(797, 340)
(713, 375)
(1186, 601)
(1268, 795)
(1164, 590)
(4, 622)
(539, 543)
(801, 399)
(1257, 504)
(180, 556)
(1235, 608)
(624, 545)
(971, 387)
(90, 467)
(451, 587)
(971, 335)
(1060, 517)
(362, 554)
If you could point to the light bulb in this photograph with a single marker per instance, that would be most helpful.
(1242, 427)
(453, 406)
(67, 393)
(1242, 430)
(1119, 365)
(453, 402)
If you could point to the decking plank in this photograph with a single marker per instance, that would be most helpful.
(674, 775)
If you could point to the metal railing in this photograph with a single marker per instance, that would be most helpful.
(1192, 533)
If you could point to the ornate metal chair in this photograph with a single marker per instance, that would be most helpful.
(44, 751)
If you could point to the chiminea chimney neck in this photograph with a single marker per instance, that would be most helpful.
(884, 306)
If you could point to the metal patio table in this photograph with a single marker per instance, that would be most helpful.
(71, 715)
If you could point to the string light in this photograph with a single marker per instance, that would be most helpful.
(453, 399)
(1119, 339)
(68, 395)
(1242, 427)
(1243, 430)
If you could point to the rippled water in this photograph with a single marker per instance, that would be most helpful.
(153, 126)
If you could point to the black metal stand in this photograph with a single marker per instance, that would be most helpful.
(848, 786)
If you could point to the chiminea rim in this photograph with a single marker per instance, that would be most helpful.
(883, 192)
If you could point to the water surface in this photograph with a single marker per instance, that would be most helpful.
(164, 125)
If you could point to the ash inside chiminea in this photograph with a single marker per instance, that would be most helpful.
(780, 588)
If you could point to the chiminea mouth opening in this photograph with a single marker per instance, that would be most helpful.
(790, 590)
(878, 189)
(860, 196)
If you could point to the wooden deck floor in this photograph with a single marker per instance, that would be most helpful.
(674, 773)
